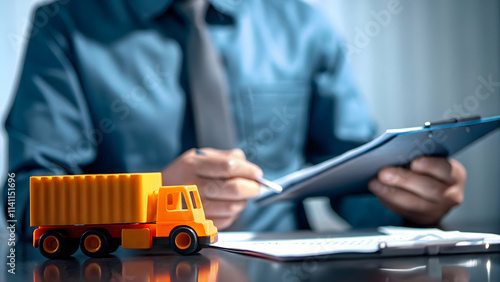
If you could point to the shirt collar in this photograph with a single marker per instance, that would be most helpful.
(150, 9)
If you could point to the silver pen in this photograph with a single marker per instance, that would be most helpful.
(270, 185)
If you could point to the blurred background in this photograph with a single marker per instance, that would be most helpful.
(414, 61)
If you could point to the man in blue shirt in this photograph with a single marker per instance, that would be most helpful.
(105, 89)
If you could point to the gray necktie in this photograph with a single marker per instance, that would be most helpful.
(210, 97)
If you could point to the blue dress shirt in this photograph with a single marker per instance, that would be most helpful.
(104, 89)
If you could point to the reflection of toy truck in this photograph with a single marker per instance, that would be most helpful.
(140, 268)
(100, 212)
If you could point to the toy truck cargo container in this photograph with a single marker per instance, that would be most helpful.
(98, 213)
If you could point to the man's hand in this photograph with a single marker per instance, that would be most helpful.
(424, 193)
(225, 180)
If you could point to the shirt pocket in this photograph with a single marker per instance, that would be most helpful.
(272, 122)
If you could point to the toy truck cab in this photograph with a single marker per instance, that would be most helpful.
(180, 219)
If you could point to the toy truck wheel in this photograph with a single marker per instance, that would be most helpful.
(53, 245)
(184, 241)
(94, 244)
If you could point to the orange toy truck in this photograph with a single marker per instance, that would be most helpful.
(98, 213)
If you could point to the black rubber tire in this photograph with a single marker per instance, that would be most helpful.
(62, 241)
(114, 244)
(103, 249)
(193, 243)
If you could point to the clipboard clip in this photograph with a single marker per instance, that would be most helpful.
(451, 121)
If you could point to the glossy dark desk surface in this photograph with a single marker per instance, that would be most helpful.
(216, 265)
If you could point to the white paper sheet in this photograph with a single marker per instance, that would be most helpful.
(397, 237)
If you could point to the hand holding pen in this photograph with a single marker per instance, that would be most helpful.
(225, 179)
(262, 181)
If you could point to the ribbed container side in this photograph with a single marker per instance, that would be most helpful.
(93, 199)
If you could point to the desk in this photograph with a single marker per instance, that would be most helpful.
(215, 265)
